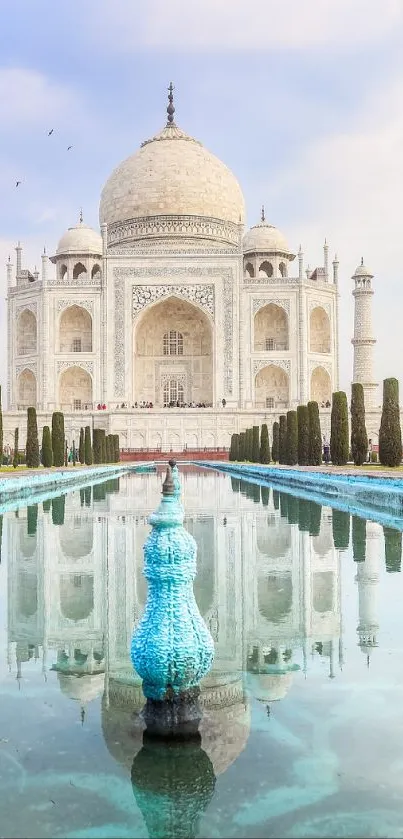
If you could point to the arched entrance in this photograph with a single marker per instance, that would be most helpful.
(26, 333)
(272, 388)
(27, 389)
(319, 329)
(75, 389)
(321, 388)
(75, 330)
(271, 328)
(173, 355)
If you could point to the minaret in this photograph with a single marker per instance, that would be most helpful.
(18, 266)
(363, 340)
(367, 580)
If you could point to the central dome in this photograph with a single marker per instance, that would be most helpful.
(171, 175)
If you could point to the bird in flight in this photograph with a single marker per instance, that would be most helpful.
(17, 183)
(69, 147)
(50, 132)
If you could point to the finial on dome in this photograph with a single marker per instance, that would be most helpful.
(262, 216)
(171, 107)
(362, 260)
(168, 487)
(81, 215)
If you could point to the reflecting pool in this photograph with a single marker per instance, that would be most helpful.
(302, 729)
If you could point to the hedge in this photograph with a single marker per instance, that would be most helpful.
(81, 446)
(339, 444)
(292, 439)
(315, 435)
(359, 437)
(275, 449)
(303, 435)
(390, 434)
(264, 454)
(58, 441)
(282, 439)
(32, 446)
(46, 451)
(88, 456)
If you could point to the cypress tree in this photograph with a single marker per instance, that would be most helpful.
(58, 438)
(303, 435)
(283, 504)
(117, 448)
(16, 456)
(248, 444)
(282, 439)
(236, 447)
(315, 435)
(32, 519)
(58, 506)
(88, 456)
(97, 445)
(81, 447)
(292, 438)
(255, 444)
(107, 449)
(341, 529)
(276, 499)
(234, 444)
(46, 452)
(293, 509)
(241, 448)
(32, 446)
(304, 515)
(243, 487)
(339, 443)
(275, 450)
(264, 455)
(359, 535)
(265, 495)
(103, 446)
(46, 505)
(390, 433)
(393, 549)
(359, 437)
(99, 492)
(1, 431)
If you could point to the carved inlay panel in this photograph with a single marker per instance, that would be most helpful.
(30, 365)
(85, 365)
(319, 304)
(258, 364)
(31, 305)
(313, 365)
(259, 302)
(66, 302)
(163, 226)
(202, 295)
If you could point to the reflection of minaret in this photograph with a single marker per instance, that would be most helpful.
(363, 341)
(367, 579)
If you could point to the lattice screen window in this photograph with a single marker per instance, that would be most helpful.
(76, 344)
(77, 404)
(270, 344)
(173, 392)
(269, 402)
(173, 343)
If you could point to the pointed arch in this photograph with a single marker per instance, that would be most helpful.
(271, 328)
(27, 389)
(26, 333)
(79, 270)
(75, 389)
(319, 331)
(321, 386)
(272, 387)
(75, 330)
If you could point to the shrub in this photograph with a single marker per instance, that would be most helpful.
(341, 529)
(58, 505)
(292, 439)
(241, 447)
(88, 456)
(393, 549)
(264, 454)
(97, 445)
(359, 437)
(315, 435)
(32, 519)
(390, 434)
(339, 447)
(303, 435)
(282, 440)
(359, 536)
(81, 446)
(108, 458)
(58, 438)
(16, 458)
(46, 450)
(275, 450)
(255, 444)
(32, 446)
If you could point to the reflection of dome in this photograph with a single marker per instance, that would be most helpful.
(264, 238)
(81, 688)
(171, 175)
(270, 687)
(79, 240)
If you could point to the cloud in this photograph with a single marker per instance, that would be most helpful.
(270, 25)
(29, 98)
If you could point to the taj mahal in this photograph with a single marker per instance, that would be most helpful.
(182, 326)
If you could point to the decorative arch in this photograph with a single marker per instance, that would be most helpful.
(272, 387)
(62, 271)
(182, 330)
(282, 269)
(319, 331)
(155, 440)
(79, 270)
(271, 329)
(75, 389)
(75, 330)
(273, 537)
(321, 386)
(96, 272)
(27, 389)
(323, 585)
(76, 538)
(266, 269)
(275, 597)
(26, 333)
(76, 596)
(249, 270)
(27, 594)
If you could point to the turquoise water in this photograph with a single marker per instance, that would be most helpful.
(302, 730)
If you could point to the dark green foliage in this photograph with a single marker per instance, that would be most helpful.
(315, 518)
(32, 446)
(88, 455)
(374, 457)
(32, 519)
(66, 453)
(283, 504)
(103, 447)
(234, 449)
(276, 499)
(393, 549)
(74, 453)
(304, 515)
(390, 433)
(359, 437)
(249, 444)
(1, 535)
(256, 493)
(292, 438)
(265, 491)
(315, 435)
(275, 449)
(243, 487)
(339, 443)
(82, 497)
(46, 505)
(282, 439)
(97, 445)
(99, 492)
(359, 535)
(46, 450)
(87, 496)
(241, 447)
(117, 448)
(58, 505)
(234, 484)
(1, 430)
(58, 438)
(255, 444)
(293, 509)
(16, 458)
(303, 435)
(341, 529)
(108, 449)
(114, 485)
(264, 455)
(81, 447)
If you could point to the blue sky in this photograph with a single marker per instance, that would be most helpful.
(303, 100)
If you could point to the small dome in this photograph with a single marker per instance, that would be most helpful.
(79, 240)
(362, 271)
(269, 687)
(81, 688)
(264, 238)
